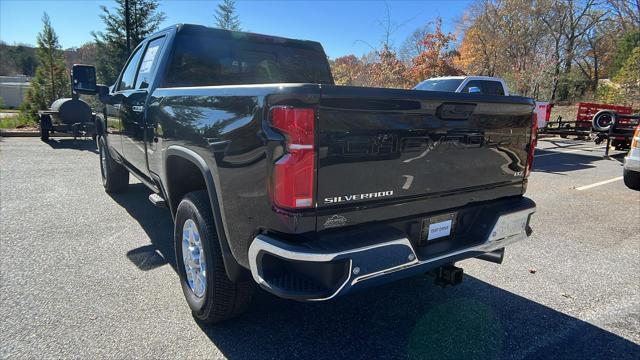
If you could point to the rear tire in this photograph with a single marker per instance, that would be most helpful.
(631, 179)
(115, 177)
(44, 134)
(221, 299)
(45, 127)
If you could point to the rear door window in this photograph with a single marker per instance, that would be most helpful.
(149, 63)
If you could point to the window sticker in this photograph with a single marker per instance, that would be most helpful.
(147, 62)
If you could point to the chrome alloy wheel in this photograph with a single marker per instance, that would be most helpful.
(193, 258)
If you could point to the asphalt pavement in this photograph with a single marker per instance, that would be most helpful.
(85, 275)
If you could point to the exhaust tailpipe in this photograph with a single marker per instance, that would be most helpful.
(495, 256)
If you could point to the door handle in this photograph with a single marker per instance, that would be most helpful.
(137, 108)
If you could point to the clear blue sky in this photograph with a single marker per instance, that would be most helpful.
(338, 25)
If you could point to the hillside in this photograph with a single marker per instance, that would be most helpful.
(21, 59)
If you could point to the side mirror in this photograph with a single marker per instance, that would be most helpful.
(83, 79)
(474, 90)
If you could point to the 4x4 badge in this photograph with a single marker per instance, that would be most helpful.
(334, 221)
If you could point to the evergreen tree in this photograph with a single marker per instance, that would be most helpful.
(51, 80)
(226, 17)
(112, 52)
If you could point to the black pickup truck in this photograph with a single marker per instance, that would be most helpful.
(275, 175)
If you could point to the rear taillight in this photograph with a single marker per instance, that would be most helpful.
(635, 142)
(293, 173)
(533, 142)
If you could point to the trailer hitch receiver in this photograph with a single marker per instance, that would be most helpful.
(447, 275)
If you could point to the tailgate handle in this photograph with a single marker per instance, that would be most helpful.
(453, 111)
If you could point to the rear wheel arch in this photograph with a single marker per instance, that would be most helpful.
(185, 172)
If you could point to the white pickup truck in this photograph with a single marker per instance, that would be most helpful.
(480, 85)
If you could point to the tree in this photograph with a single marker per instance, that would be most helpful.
(347, 70)
(226, 17)
(437, 58)
(627, 13)
(506, 39)
(412, 45)
(625, 85)
(389, 71)
(625, 48)
(582, 18)
(112, 51)
(629, 79)
(51, 80)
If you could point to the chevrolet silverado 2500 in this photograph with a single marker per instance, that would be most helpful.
(274, 175)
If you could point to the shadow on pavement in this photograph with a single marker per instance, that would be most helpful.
(417, 320)
(156, 222)
(558, 162)
(69, 143)
(409, 319)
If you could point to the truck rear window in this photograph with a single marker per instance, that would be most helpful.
(202, 60)
(447, 85)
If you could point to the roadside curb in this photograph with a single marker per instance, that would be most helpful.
(14, 133)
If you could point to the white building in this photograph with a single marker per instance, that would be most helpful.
(13, 89)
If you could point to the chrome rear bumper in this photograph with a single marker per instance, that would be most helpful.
(306, 272)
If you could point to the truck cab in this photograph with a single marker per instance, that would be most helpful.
(466, 84)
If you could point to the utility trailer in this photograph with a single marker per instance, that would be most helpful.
(68, 115)
(616, 129)
(583, 125)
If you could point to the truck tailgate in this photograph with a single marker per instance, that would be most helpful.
(383, 146)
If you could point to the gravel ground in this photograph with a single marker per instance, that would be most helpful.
(85, 275)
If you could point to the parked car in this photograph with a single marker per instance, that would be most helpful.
(276, 176)
(631, 171)
(482, 85)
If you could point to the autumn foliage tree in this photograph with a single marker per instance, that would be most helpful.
(347, 70)
(437, 56)
(504, 39)
(545, 49)
(389, 71)
(433, 56)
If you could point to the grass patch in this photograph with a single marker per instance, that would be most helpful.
(16, 121)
